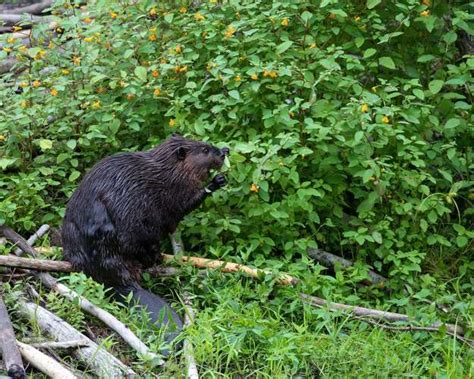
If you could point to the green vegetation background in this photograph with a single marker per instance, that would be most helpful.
(351, 129)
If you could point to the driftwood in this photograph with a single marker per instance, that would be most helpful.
(110, 320)
(10, 19)
(31, 9)
(329, 259)
(44, 363)
(60, 345)
(376, 314)
(35, 264)
(93, 355)
(10, 353)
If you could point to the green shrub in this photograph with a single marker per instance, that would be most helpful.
(350, 123)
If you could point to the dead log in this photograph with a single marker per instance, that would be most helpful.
(59, 345)
(36, 9)
(10, 353)
(10, 19)
(44, 363)
(93, 355)
(35, 264)
(329, 259)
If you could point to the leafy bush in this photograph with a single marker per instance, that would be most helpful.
(350, 123)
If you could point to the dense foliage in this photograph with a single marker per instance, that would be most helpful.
(350, 125)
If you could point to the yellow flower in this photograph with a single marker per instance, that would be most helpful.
(273, 74)
(76, 60)
(2, 138)
(254, 77)
(157, 92)
(425, 13)
(285, 22)
(50, 45)
(53, 92)
(96, 104)
(11, 40)
(374, 89)
(254, 188)
(100, 90)
(7, 49)
(87, 20)
(36, 83)
(152, 37)
(179, 69)
(22, 49)
(155, 73)
(178, 49)
(238, 78)
(17, 28)
(88, 39)
(40, 54)
(113, 15)
(312, 46)
(230, 31)
(199, 17)
(153, 12)
(65, 71)
(426, 2)
(24, 104)
(364, 108)
(385, 120)
(183, 10)
(172, 122)
(23, 84)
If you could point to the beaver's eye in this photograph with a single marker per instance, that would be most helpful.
(205, 150)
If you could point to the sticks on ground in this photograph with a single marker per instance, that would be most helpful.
(330, 260)
(37, 8)
(45, 363)
(60, 345)
(35, 264)
(10, 354)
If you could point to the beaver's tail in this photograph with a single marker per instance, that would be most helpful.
(161, 314)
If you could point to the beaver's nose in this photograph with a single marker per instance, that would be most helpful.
(225, 151)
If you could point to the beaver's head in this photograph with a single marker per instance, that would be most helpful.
(193, 159)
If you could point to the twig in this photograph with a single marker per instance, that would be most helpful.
(93, 355)
(411, 328)
(84, 304)
(11, 19)
(374, 313)
(32, 9)
(34, 237)
(10, 354)
(44, 363)
(60, 345)
(330, 259)
(35, 264)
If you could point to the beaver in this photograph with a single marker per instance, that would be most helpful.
(124, 207)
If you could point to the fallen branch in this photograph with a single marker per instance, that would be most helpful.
(44, 363)
(35, 264)
(329, 259)
(37, 8)
(93, 355)
(10, 19)
(110, 320)
(374, 313)
(10, 353)
(60, 345)
(43, 229)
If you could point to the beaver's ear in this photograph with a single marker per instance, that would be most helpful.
(181, 153)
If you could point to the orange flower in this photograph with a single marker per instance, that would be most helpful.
(2, 138)
(152, 37)
(285, 22)
(76, 60)
(238, 78)
(230, 31)
(183, 10)
(199, 17)
(23, 84)
(254, 188)
(385, 120)
(364, 108)
(180, 69)
(36, 83)
(157, 92)
(155, 73)
(87, 20)
(153, 12)
(53, 92)
(178, 49)
(273, 74)
(425, 13)
(96, 104)
(172, 122)
(113, 15)
(130, 96)
(426, 2)
(254, 77)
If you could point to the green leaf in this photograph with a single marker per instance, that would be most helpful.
(45, 144)
(369, 52)
(387, 62)
(281, 48)
(452, 123)
(5, 162)
(169, 18)
(435, 86)
(377, 237)
(33, 52)
(234, 94)
(461, 241)
(373, 3)
(306, 16)
(419, 93)
(140, 73)
(72, 143)
(74, 175)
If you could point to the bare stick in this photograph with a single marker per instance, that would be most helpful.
(223, 266)
(10, 354)
(188, 351)
(35, 264)
(32, 9)
(11, 19)
(85, 304)
(60, 345)
(93, 355)
(329, 259)
(34, 237)
(374, 313)
(44, 363)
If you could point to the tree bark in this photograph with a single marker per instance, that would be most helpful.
(10, 352)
